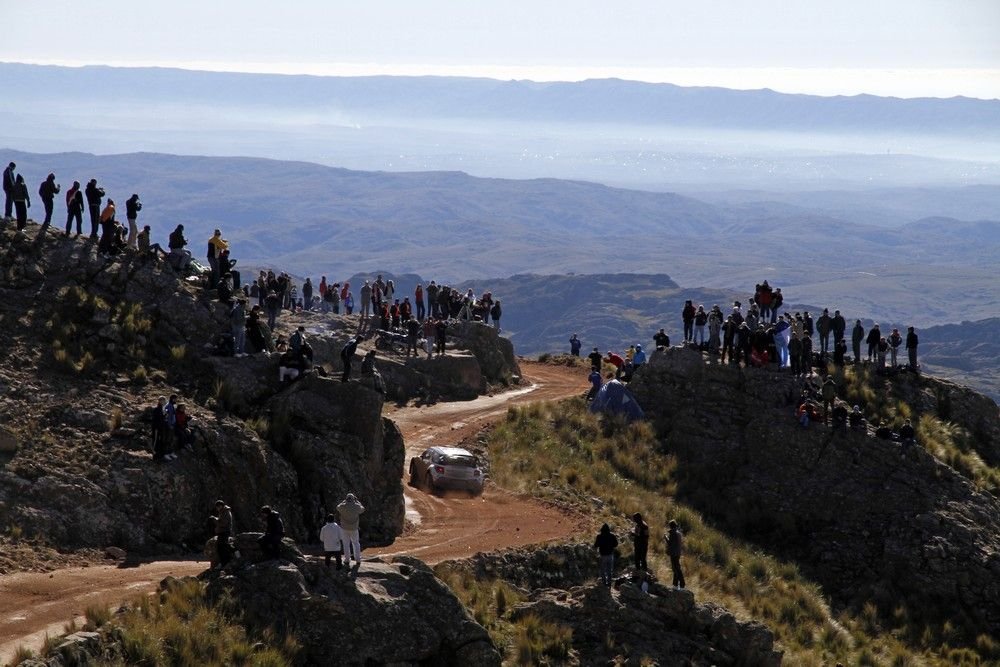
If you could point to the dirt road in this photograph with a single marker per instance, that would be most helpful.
(35, 604)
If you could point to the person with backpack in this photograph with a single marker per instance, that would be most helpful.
(95, 195)
(74, 208)
(9, 180)
(333, 540)
(347, 358)
(894, 340)
(274, 533)
(47, 192)
(132, 208)
(640, 541)
(675, 548)
(22, 202)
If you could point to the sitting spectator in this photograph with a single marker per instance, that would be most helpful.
(274, 532)
(883, 432)
(179, 257)
(856, 419)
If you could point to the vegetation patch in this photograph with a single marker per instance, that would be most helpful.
(561, 452)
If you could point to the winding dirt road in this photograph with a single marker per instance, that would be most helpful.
(443, 528)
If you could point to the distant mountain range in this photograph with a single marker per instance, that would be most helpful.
(592, 101)
(311, 219)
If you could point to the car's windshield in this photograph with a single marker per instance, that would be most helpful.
(461, 460)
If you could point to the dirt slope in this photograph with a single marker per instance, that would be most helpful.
(33, 604)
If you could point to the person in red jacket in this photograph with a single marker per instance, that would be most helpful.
(617, 361)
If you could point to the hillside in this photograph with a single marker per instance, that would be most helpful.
(310, 219)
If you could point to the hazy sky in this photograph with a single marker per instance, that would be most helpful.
(903, 47)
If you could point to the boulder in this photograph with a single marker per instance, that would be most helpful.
(394, 612)
(494, 352)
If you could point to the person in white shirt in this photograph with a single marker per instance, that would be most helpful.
(332, 538)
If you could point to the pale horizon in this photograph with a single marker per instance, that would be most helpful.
(907, 83)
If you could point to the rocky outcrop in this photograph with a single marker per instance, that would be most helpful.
(395, 612)
(551, 566)
(334, 436)
(661, 624)
(867, 518)
(111, 335)
(494, 352)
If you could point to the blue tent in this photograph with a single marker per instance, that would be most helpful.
(615, 398)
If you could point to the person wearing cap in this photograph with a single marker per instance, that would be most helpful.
(350, 511)
(223, 532)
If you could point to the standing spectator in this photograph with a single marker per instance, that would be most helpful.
(432, 296)
(22, 202)
(441, 335)
(366, 302)
(640, 541)
(596, 359)
(823, 327)
(132, 208)
(159, 427)
(47, 193)
(574, 345)
(688, 315)
(347, 358)
(349, 303)
(223, 532)
(700, 320)
(857, 335)
(94, 196)
(350, 511)
(273, 305)
(412, 336)
(606, 543)
(911, 347)
(838, 325)
(418, 302)
(307, 294)
(495, 313)
(74, 208)
(895, 340)
(216, 245)
(9, 180)
(238, 325)
(874, 336)
(675, 547)
(332, 538)
(274, 533)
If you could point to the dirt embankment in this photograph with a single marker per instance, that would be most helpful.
(443, 528)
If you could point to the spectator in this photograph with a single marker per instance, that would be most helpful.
(661, 339)
(47, 193)
(223, 532)
(595, 383)
(132, 208)
(595, 359)
(347, 358)
(94, 196)
(238, 326)
(332, 538)
(829, 392)
(894, 340)
(495, 313)
(274, 533)
(350, 511)
(606, 543)
(158, 430)
(22, 202)
(640, 541)
(9, 180)
(857, 336)
(74, 208)
(179, 256)
(675, 548)
(911, 348)
(687, 315)
(441, 334)
(574, 345)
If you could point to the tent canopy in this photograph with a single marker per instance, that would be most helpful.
(615, 398)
